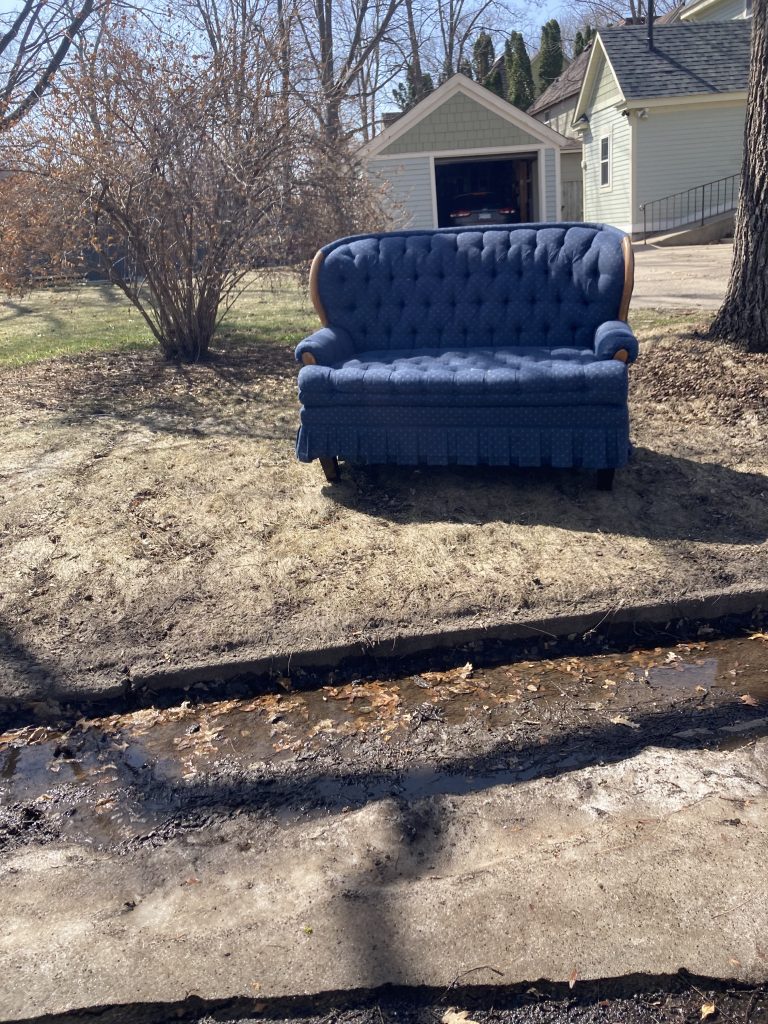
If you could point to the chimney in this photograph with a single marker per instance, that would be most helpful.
(649, 17)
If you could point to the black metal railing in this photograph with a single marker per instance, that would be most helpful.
(693, 206)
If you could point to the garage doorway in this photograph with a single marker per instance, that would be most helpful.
(503, 185)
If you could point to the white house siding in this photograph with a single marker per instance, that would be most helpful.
(680, 148)
(726, 10)
(552, 210)
(610, 204)
(409, 189)
(560, 117)
(572, 206)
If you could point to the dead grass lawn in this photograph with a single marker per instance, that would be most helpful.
(155, 516)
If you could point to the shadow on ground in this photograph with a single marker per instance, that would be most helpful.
(657, 496)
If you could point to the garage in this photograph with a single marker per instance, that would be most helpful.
(465, 156)
(498, 189)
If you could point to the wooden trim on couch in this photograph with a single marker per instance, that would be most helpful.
(629, 276)
(314, 288)
(308, 359)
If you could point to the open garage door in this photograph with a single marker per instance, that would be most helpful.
(492, 190)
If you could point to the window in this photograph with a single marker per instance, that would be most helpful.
(605, 161)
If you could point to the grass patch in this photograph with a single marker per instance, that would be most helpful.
(50, 322)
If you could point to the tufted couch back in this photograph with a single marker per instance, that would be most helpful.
(545, 285)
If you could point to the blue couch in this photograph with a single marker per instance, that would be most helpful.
(505, 345)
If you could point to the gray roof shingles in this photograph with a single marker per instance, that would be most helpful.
(686, 59)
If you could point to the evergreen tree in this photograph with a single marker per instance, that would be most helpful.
(408, 93)
(483, 61)
(550, 54)
(464, 68)
(520, 88)
(583, 39)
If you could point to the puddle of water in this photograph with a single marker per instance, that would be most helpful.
(115, 778)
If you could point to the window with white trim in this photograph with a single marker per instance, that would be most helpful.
(605, 161)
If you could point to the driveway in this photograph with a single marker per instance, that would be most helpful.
(685, 277)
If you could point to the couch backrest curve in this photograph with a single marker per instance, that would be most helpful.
(520, 284)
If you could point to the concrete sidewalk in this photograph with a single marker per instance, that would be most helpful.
(684, 277)
(646, 866)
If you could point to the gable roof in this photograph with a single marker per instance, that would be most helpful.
(461, 84)
(567, 85)
(709, 58)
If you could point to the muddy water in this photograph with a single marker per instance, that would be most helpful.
(118, 778)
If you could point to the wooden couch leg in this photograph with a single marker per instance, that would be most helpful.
(605, 479)
(331, 470)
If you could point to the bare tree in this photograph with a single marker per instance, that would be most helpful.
(609, 12)
(743, 317)
(166, 166)
(339, 37)
(35, 40)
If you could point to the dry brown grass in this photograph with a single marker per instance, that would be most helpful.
(155, 516)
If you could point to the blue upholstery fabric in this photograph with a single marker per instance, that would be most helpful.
(470, 345)
(329, 346)
(526, 285)
(477, 376)
(612, 336)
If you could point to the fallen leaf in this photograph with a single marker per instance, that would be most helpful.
(572, 978)
(758, 636)
(701, 689)
(732, 960)
(532, 688)
(708, 1010)
(452, 1016)
(747, 698)
(623, 720)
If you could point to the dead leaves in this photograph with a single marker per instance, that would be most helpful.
(747, 698)
(708, 1010)
(452, 1016)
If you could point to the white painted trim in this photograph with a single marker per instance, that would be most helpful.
(478, 93)
(632, 169)
(605, 136)
(454, 154)
(558, 187)
(698, 99)
(588, 84)
(433, 189)
(541, 213)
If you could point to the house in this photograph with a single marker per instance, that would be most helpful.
(714, 10)
(662, 125)
(555, 108)
(462, 138)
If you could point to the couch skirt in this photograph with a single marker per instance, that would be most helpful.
(592, 437)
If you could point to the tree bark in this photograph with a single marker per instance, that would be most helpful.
(743, 316)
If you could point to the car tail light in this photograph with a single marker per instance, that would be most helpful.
(461, 213)
(507, 209)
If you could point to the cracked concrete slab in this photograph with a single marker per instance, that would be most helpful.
(649, 865)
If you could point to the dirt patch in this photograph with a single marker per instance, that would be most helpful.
(154, 516)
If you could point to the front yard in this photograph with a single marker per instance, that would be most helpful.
(155, 517)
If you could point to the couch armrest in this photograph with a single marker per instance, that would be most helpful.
(614, 340)
(327, 346)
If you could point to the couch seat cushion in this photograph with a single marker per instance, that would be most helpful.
(490, 376)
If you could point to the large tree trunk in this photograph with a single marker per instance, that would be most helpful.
(743, 316)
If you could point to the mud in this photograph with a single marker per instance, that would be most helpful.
(637, 1000)
(143, 776)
